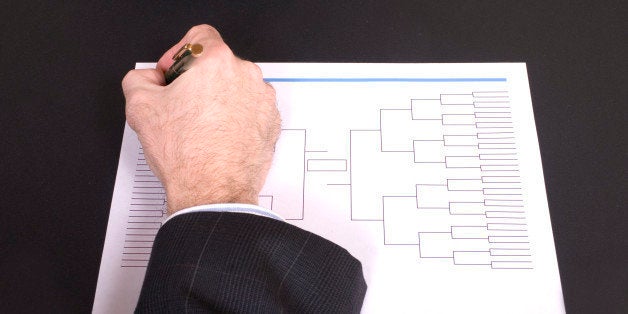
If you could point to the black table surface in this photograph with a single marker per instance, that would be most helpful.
(62, 115)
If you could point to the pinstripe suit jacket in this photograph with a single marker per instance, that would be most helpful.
(232, 262)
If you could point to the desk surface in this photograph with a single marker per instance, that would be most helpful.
(63, 114)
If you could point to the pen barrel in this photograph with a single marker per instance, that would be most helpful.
(178, 67)
(183, 59)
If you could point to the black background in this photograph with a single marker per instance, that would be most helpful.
(62, 115)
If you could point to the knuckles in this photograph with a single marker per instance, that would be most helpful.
(136, 112)
(203, 28)
(128, 80)
(211, 40)
(271, 92)
(254, 70)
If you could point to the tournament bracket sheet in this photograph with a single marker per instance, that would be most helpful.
(429, 174)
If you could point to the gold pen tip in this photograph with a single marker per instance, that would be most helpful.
(196, 49)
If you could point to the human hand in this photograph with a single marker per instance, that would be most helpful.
(209, 136)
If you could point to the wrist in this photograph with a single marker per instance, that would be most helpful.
(181, 197)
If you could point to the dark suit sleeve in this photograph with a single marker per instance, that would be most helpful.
(233, 262)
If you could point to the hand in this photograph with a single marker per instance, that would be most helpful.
(209, 136)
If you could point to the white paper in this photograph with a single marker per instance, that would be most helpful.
(429, 174)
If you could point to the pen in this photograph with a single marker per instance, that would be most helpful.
(183, 60)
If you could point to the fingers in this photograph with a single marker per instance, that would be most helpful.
(141, 88)
(200, 34)
(139, 79)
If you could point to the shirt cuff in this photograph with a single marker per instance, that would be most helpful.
(228, 208)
